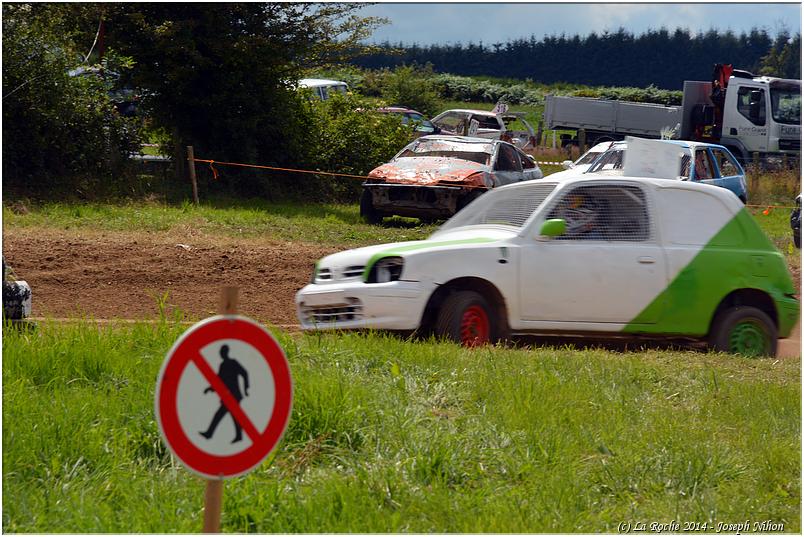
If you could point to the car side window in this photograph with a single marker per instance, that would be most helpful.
(604, 212)
(728, 166)
(684, 172)
(486, 122)
(451, 122)
(703, 165)
(507, 159)
(527, 164)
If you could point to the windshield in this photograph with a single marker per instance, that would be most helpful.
(587, 158)
(505, 207)
(610, 160)
(474, 151)
(786, 105)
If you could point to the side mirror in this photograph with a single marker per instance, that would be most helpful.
(531, 157)
(553, 228)
(567, 164)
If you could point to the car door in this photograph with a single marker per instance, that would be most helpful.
(487, 127)
(606, 268)
(518, 130)
(451, 123)
(507, 167)
(529, 168)
(729, 173)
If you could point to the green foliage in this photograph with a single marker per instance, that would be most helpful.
(414, 87)
(784, 57)
(462, 88)
(61, 133)
(348, 136)
(391, 436)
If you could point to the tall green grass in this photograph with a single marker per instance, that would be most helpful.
(395, 436)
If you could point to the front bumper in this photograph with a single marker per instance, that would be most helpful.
(416, 200)
(356, 305)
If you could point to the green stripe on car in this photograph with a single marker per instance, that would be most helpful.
(720, 268)
(397, 251)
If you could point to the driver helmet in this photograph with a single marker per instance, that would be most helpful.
(580, 214)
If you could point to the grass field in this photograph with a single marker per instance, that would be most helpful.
(394, 436)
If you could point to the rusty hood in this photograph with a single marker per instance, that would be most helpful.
(431, 170)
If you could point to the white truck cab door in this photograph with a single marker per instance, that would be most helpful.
(746, 116)
(606, 268)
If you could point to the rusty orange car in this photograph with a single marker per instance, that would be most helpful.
(435, 176)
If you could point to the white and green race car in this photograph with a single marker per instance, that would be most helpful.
(581, 257)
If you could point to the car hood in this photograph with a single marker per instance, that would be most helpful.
(362, 259)
(430, 171)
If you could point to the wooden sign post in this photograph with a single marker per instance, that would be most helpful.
(231, 367)
(213, 496)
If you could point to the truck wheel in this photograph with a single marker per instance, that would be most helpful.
(744, 330)
(367, 210)
(467, 318)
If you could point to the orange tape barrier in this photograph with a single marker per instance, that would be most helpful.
(769, 208)
(215, 176)
(215, 172)
(311, 172)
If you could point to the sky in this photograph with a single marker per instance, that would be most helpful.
(429, 23)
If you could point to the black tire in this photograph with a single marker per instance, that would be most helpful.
(367, 210)
(797, 239)
(466, 318)
(744, 330)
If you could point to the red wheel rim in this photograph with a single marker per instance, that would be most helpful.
(474, 327)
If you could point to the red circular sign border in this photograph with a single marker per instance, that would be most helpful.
(195, 338)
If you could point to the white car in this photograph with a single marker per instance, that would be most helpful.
(323, 88)
(625, 256)
(507, 126)
(582, 163)
(670, 159)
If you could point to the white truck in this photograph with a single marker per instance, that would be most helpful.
(748, 114)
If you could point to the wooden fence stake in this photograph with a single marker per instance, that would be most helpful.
(191, 167)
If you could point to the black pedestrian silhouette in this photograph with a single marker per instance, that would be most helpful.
(229, 372)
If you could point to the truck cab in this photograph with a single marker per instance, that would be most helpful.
(759, 114)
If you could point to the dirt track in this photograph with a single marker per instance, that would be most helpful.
(107, 276)
(125, 276)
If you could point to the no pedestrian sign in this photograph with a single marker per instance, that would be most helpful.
(223, 396)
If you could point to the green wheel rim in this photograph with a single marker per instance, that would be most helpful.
(749, 338)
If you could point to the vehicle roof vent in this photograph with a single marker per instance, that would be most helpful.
(739, 73)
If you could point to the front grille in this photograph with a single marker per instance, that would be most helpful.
(332, 313)
(334, 274)
(355, 271)
(790, 145)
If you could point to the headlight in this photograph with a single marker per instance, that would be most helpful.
(387, 269)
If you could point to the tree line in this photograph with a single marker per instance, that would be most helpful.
(661, 58)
